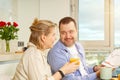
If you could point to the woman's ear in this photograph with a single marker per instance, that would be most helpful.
(43, 38)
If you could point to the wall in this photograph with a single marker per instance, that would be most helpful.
(27, 10)
(54, 9)
(43, 9)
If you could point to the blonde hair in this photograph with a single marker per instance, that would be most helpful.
(38, 28)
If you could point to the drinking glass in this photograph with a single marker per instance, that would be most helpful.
(74, 58)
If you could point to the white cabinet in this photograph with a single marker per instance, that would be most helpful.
(8, 63)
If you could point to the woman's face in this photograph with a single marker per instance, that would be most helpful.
(50, 38)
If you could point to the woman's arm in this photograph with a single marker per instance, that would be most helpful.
(66, 69)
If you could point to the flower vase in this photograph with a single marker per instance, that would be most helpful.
(7, 46)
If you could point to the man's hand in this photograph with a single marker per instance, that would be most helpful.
(97, 67)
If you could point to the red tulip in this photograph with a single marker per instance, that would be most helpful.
(2, 23)
(9, 23)
(15, 24)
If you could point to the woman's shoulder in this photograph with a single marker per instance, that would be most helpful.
(31, 51)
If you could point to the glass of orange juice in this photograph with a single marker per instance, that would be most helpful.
(118, 76)
(74, 58)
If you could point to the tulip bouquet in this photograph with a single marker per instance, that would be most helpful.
(8, 31)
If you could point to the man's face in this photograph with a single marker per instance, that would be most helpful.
(68, 34)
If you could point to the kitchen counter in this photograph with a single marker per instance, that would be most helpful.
(10, 57)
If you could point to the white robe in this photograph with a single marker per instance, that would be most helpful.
(33, 66)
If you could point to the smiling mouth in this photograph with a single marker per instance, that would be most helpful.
(68, 39)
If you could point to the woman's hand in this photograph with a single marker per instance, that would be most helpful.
(70, 67)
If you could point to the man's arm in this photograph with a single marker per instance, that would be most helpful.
(57, 59)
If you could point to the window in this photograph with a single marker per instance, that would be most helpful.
(99, 27)
(117, 22)
(95, 23)
(91, 20)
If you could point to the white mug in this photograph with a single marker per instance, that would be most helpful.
(105, 73)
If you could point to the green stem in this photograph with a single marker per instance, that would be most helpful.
(7, 46)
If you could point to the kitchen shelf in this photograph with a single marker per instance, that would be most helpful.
(10, 57)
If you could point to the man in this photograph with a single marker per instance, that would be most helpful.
(67, 45)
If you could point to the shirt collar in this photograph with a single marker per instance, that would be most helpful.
(62, 46)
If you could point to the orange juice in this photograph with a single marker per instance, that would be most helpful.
(75, 59)
(114, 79)
(118, 76)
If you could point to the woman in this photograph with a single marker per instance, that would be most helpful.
(33, 65)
